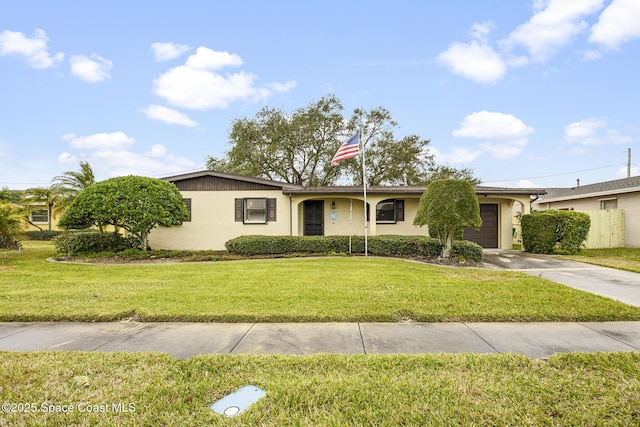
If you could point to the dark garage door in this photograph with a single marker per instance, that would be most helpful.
(487, 235)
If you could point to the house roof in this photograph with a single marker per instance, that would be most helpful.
(350, 189)
(229, 176)
(600, 189)
(406, 189)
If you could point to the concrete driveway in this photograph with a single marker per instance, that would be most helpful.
(616, 284)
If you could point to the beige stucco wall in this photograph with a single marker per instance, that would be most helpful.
(341, 225)
(629, 202)
(213, 221)
(212, 218)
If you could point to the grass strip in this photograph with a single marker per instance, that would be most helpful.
(286, 290)
(620, 258)
(328, 390)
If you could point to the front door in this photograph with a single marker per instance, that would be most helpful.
(314, 218)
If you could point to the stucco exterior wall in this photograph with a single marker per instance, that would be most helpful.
(213, 221)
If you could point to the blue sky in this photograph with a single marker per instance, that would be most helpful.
(527, 93)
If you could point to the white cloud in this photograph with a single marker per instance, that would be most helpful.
(503, 136)
(474, 61)
(111, 154)
(553, 26)
(492, 125)
(34, 49)
(456, 155)
(592, 132)
(154, 162)
(196, 86)
(507, 151)
(92, 69)
(100, 141)
(617, 24)
(167, 51)
(168, 115)
(67, 158)
(208, 59)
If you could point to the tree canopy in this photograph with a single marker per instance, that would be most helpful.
(448, 206)
(137, 204)
(12, 224)
(297, 148)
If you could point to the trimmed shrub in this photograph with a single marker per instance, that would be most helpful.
(573, 230)
(385, 245)
(541, 231)
(467, 250)
(43, 235)
(73, 244)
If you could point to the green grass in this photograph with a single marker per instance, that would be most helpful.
(295, 290)
(620, 258)
(325, 390)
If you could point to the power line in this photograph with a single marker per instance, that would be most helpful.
(557, 174)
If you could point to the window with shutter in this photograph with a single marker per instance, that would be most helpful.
(187, 203)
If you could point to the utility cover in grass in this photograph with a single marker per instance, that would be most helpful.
(238, 401)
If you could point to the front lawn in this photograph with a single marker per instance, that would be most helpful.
(291, 290)
(620, 258)
(151, 389)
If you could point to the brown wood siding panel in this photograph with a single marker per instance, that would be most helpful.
(212, 183)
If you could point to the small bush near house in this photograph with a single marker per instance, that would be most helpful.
(73, 244)
(467, 250)
(387, 245)
(43, 234)
(541, 231)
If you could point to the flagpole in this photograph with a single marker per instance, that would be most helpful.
(364, 190)
(350, 220)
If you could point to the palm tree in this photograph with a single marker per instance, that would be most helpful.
(48, 196)
(71, 183)
(12, 224)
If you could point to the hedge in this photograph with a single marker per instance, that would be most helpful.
(73, 244)
(43, 234)
(386, 245)
(542, 230)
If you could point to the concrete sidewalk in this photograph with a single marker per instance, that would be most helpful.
(183, 340)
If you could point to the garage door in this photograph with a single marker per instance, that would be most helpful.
(487, 235)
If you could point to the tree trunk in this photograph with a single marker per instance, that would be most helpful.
(448, 244)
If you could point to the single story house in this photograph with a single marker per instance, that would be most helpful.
(621, 194)
(224, 206)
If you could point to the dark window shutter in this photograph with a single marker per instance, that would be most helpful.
(239, 210)
(399, 210)
(187, 203)
(271, 209)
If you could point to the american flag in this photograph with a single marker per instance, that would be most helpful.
(348, 150)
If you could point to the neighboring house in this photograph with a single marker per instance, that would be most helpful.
(621, 194)
(38, 216)
(224, 206)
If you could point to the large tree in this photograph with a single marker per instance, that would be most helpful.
(448, 206)
(387, 160)
(137, 204)
(298, 147)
